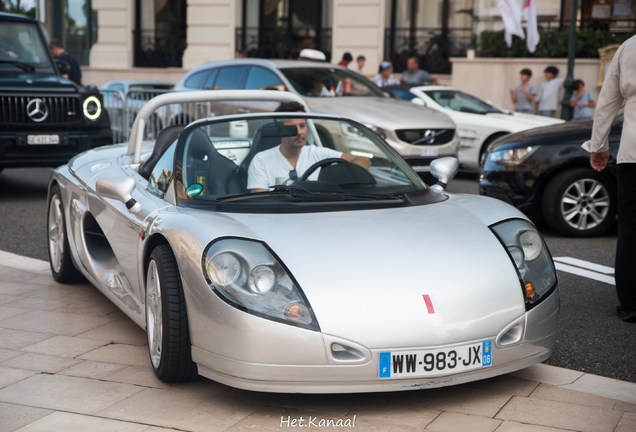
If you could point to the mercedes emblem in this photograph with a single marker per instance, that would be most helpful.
(37, 110)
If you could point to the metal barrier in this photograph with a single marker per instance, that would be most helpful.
(115, 105)
(135, 100)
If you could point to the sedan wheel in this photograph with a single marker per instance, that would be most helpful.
(167, 319)
(62, 267)
(580, 203)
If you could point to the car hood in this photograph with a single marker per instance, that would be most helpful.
(365, 272)
(30, 82)
(556, 134)
(525, 121)
(386, 113)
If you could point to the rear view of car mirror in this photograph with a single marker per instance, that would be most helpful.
(444, 169)
(120, 190)
(418, 101)
(279, 131)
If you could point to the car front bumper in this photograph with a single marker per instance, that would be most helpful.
(324, 375)
(420, 157)
(15, 152)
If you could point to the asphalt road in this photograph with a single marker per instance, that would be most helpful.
(591, 338)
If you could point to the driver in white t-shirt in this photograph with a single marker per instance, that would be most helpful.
(287, 162)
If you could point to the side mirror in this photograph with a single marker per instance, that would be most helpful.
(119, 190)
(444, 169)
(418, 101)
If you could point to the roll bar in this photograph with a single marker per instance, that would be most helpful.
(136, 135)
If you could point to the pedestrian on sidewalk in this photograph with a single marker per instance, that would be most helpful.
(346, 59)
(416, 76)
(620, 84)
(581, 101)
(60, 53)
(360, 61)
(385, 76)
(548, 97)
(523, 95)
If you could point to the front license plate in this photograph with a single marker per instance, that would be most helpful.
(43, 139)
(429, 152)
(435, 362)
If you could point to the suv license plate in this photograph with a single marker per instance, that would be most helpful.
(43, 139)
(435, 362)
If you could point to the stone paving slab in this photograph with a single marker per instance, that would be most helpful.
(70, 361)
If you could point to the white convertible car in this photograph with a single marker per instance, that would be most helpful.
(479, 122)
(348, 276)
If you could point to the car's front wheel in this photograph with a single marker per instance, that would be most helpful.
(167, 319)
(62, 267)
(580, 203)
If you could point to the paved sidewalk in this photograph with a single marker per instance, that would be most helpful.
(70, 361)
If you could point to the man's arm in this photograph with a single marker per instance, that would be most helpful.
(362, 161)
(575, 99)
(257, 179)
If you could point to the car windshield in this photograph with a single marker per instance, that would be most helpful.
(330, 82)
(288, 158)
(458, 101)
(22, 48)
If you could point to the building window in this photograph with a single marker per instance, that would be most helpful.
(160, 33)
(74, 23)
(274, 28)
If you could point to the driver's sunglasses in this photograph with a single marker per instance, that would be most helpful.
(293, 175)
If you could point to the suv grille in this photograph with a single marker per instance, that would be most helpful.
(426, 136)
(13, 109)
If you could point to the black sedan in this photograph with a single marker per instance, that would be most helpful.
(546, 174)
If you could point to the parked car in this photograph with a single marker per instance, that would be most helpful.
(345, 280)
(418, 134)
(123, 107)
(479, 122)
(45, 119)
(546, 174)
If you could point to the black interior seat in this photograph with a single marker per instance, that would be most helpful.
(259, 143)
(165, 138)
(207, 167)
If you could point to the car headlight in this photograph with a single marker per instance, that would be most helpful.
(248, 276)
(511, 156)
(92, 108)
(531, 258)
(377, 130)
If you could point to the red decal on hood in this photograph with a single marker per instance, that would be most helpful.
(429, 304)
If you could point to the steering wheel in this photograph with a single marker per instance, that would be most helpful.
(320, 164)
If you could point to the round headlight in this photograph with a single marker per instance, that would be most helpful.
(92, 108)
(262, 279)
(531, 244)
(224, 269)
(517, 255)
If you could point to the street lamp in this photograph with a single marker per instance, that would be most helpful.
(566, 110)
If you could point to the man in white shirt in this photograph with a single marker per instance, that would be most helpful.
(287, 162)
(548, 98)
(619, 86)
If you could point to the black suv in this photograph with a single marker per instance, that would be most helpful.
(45, 119)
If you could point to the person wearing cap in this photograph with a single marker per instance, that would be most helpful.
(385, 76)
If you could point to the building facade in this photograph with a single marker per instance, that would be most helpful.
(163, 38)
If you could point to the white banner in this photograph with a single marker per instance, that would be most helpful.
(511, 16)
(530, 15)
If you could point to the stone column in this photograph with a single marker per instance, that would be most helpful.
(114, 46)
(358, 27)
(211, 30)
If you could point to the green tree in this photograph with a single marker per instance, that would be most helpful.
(15, 7)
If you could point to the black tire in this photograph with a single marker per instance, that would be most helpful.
(580, 202)
(175, 352)
(60, 260)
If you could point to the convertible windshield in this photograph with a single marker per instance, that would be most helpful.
(22, 48)
(330, 82)
(288, 158)
(458, 101)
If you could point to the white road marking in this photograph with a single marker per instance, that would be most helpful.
(585, 273)
(586, 265)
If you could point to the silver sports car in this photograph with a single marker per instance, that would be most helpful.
(334, 270)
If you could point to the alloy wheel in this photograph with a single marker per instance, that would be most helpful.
(585, 204)
(154, 316)
(56, 233)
